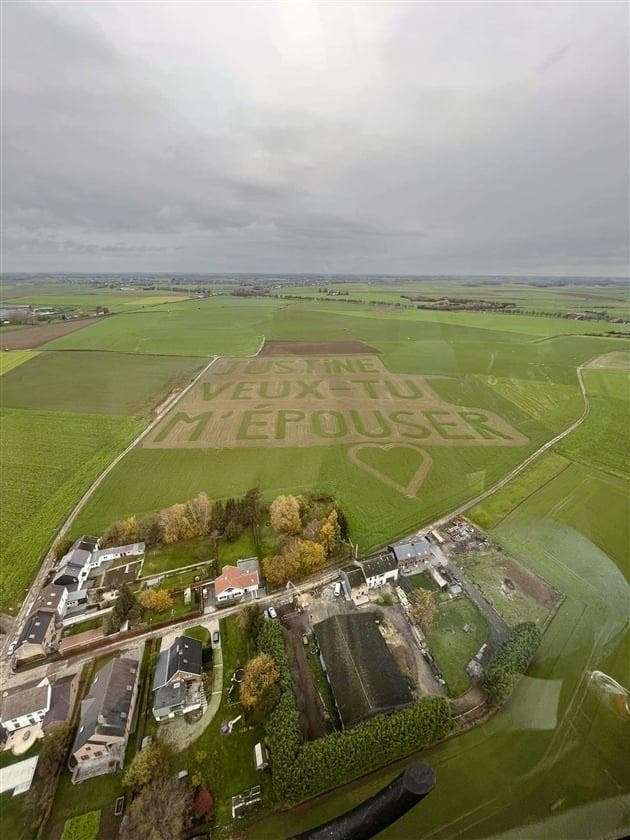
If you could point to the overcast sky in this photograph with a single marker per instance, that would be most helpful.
(304, 137)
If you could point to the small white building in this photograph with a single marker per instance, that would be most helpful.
(379, 569)
(116, 552)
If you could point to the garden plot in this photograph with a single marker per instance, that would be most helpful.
(515, 593)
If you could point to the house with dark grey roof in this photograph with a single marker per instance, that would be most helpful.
(73, 568)
(379, 569)
(62, 699)
(362, 673)
(38, 635)
(27, 706)
(52, 598)
(106, 715)
(411, 553)
(177, 684)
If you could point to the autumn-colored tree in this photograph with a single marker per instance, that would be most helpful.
(156, 600)
(311, 556)
(123, 532)
(285, 515)
(169, 525)
(330, 533)
(274, 569)
(260, 678)
(198, 512)
(203, 803)
(149, 530)
(423, 608)
(153, 762)
(159, 812)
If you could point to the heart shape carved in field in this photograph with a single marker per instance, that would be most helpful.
(420, 456)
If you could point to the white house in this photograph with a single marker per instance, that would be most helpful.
(234, 582)
(379, 569)
(27, 706)
(116, 552)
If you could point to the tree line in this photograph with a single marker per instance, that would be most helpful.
(511, 661)
(302, 768)
(197, 517)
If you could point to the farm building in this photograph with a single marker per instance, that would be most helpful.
(363, 676)
(379, 569)
(412, 552)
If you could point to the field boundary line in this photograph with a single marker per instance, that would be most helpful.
(533, 493)
(48, 562)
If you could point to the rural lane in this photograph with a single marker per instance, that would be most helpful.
(49, 560)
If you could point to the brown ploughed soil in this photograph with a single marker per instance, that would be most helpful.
(30, 337)
(314, 348)
(530, 584)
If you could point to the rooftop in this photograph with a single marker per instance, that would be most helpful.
(231, 576)
(411, 549)
(36, 627)
(183, 655)
(49, 598)
(27, 699)
(355, 576)
(108, 704)
(362, 673)
(378, 564)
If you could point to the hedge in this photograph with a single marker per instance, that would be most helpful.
(303, 768)
(511, 660)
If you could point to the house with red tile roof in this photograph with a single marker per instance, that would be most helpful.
(236, 581)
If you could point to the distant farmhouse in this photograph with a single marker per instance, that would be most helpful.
(106, 715)
(362, 673)
(410, 553)
(177, 686)
(67, 591)
(237, 581)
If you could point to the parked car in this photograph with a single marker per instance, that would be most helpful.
(11, 648)
(337, 589)
(271, 613)
(216, 637)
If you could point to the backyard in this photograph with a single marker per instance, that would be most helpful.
(453, 646)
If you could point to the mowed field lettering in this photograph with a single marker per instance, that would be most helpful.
(318, 401)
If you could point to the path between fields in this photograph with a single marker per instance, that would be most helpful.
(524, 464)
(49, 561)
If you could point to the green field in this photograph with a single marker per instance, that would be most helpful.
(223, 326)
(96, 383)
(11, 359)
(452, 646)
(48, 460)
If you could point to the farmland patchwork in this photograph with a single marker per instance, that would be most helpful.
(324, 400)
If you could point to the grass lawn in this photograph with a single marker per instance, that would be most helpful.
(96, 383)
(75, 800)
(48, 460)
(165, 558)
(226, 762)
(451, 646)
(198, 632)
(12, 820)
(84, 827)
(423, 581)
(488, 570)
(83, 626)
(178, 610)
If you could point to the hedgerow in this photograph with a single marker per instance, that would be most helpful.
(511, 660)
(303, 768)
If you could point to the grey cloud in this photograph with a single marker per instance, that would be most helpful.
(381, 137)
